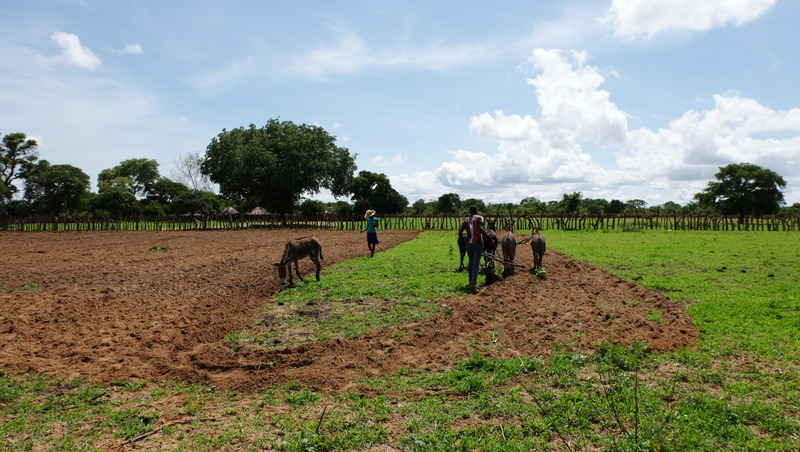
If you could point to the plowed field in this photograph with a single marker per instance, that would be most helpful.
(130, 306)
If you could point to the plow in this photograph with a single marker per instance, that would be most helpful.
(496, 258)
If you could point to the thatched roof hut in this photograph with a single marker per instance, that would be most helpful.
(229, 211)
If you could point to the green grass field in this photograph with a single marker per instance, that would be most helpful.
(737, 389)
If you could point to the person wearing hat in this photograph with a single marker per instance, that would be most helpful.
(372, 232)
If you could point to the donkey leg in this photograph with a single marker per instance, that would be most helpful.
(297, 270)
(316, 263)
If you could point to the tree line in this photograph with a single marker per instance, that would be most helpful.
(281, 165)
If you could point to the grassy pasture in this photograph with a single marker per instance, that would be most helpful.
(738, 389)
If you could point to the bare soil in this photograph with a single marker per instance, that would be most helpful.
(155, 306)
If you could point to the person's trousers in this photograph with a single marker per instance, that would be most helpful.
(474, 253)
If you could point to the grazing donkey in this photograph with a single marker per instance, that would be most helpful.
(539, 247)
(509, 246)
(296, 250)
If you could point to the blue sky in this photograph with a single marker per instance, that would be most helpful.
(622, 99)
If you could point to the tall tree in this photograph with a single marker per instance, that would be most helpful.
(56, 189)
(571, 203)
(160, 196)
(136, 175)
(188, 171)
(115, 201)
(311, 207)
(196, 202)
(448, 203)
(532, 204)
(744, 189)
(374, 191)
(164, 190)
(634, 206)
(419, 207)
(17, 155)
(473, 202)
(615, 206)
(276, 164)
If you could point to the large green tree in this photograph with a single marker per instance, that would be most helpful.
(116, 201)
(570, 204)
(744, 189)
(615, 206)
(195, 202)
(56, 189)
(17, 155)
(448, 203)
(135, 175)
(374, 191)
(277, 163)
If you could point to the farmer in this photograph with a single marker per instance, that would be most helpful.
(372, 232)
(473, 226)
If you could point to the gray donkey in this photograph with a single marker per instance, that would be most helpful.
(509, 246)
(539, 247)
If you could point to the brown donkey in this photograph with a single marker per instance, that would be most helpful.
(539, 247)
(509, 246)
(296, 250)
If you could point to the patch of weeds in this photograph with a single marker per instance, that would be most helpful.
(655, 315)
(478, 373)
(131, 422)
(235, 340)
(159, 248)
(302, 397)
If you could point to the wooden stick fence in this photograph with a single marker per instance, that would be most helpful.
(432, 222)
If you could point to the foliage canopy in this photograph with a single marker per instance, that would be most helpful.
(374, 191)
(744, 189)
(276, 164)
(56, 189)
(17, 155)
(135, 175)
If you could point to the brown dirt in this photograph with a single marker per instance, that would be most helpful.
(107, 307)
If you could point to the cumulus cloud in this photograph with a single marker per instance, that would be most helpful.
(552, 154)
(635, 19)
(74, 53)
(727, 133)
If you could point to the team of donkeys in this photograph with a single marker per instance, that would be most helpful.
(311, 247)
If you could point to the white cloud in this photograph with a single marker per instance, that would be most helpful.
(634, 19)
(395, 160)
(700, 141)
(74, 53)
(547, 157)
(573, 106)
(135, 49)
(351, 54)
